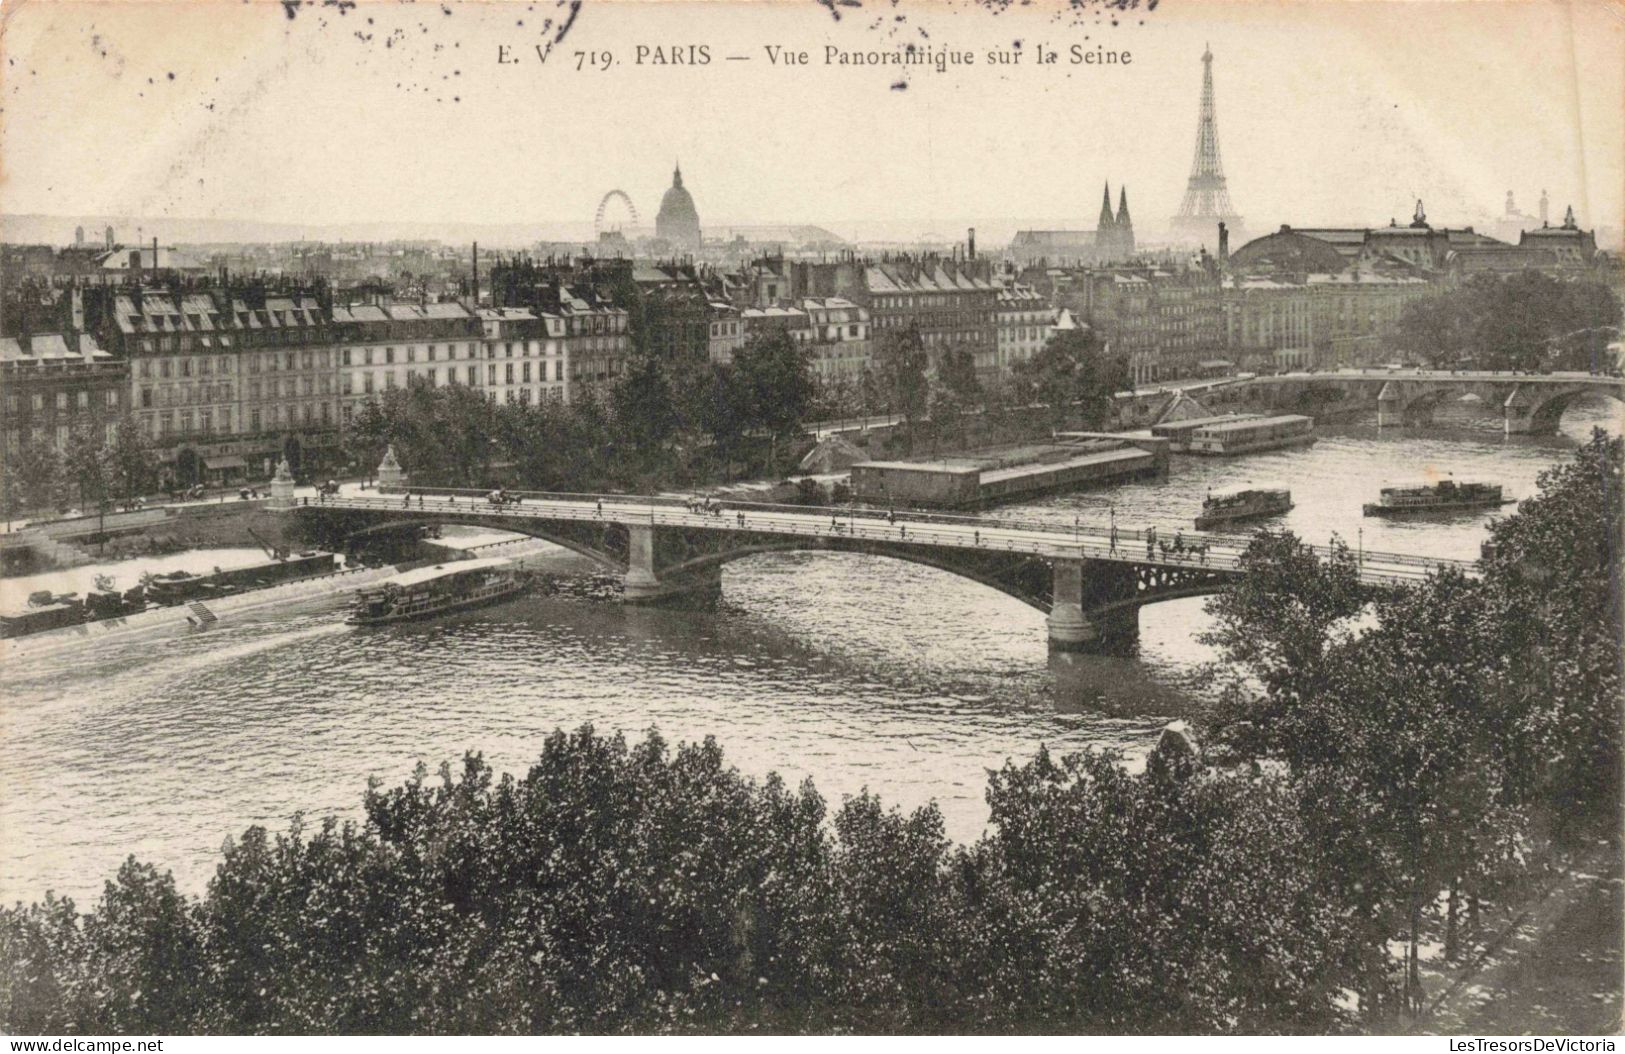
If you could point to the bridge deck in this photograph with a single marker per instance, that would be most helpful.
(1045, 539)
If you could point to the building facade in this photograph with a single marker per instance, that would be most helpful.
(54, 387)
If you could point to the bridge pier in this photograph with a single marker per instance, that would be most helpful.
(1519, 414)
(1106, 625)
(643, 584)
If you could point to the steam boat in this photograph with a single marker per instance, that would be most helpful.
(1246, 502)
(1444, 495)
(437, 590)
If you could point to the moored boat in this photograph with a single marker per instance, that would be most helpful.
(1249, 435)
(1248, 501)
(437, 590)
(1444, 495)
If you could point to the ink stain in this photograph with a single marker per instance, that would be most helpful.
(900, 86)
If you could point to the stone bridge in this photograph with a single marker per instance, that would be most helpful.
(1088, 579)
(1529, 403)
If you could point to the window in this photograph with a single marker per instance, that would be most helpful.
(366, 383)
(389, 355)
(186, 367)
(83, 400)
(61, 400)
(288, 360)
(526, 377)
(62, 437)
(39, 401)
(473, 376)
(431, 352)
(509, 376)
(412, 353)
(434, 377)
(205, 421)
(558, 369)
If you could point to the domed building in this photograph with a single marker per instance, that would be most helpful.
(677, 222)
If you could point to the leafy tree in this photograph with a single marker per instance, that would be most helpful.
(87, 466)
(1524, 321)
(32, 477)
(900, 364)
(775, 382)
(644, 410)
(956, 392)
(132, 464)
(1075, 378)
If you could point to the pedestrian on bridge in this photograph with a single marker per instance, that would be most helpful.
(600, 512)
(978, 537)
(406, 502)
(1150, 543)
(1113, 539)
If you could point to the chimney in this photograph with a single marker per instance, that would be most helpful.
(971, 243)
(476, 274)
(155, 252)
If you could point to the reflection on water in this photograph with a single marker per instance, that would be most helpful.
(857, 671)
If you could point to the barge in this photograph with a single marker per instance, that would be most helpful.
(48, 612)
(1252, 435)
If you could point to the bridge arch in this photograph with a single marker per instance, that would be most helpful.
(1030, 588)
(1545, 415)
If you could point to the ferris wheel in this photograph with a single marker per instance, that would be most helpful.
(603, 208)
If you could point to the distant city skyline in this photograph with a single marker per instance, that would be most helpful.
(1330, 114)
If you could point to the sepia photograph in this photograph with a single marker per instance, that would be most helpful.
(834, 518)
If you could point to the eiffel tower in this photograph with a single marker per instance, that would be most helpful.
(1207, 202)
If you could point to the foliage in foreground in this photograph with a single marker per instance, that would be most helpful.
(618, 888)
(1441, 734)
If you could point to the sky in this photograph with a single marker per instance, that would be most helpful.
(328, 114)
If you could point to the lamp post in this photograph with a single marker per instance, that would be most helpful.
(1359, 559)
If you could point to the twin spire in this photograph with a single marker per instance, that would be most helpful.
(1107, 221)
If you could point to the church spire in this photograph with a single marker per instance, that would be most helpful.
(1106, 221)
(1122, 207)
(677, 174)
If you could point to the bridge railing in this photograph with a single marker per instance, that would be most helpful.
(1051, 537)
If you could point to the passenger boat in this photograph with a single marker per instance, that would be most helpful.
(1444, 495)
(1248, 501)
(437, 590)
(1253, 434)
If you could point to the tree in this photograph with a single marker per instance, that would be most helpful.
(775, 380)
(957, 391)
(644, 410)
(1525, 321)
(714, 406)
(132, 465)
(87, 464)
(900, 364)
(32, 477)
(1075, 377)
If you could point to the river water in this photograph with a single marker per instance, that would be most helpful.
(856, 671)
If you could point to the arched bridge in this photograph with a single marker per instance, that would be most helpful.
(1530, 403)
(1090, 580)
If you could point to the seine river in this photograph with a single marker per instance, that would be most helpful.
(855, 671)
